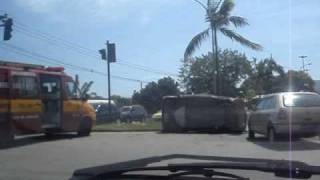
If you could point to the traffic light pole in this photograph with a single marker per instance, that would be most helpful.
(109, 54)
(109, 83)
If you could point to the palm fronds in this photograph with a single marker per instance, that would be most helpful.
(238, 21)
(196, 42)
(237, 37)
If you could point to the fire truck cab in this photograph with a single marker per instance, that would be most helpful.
(38, 99)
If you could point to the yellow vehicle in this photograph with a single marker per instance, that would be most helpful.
(36, 99)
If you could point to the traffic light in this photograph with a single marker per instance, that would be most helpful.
(111, 52)
(7, 29)
(103, 54)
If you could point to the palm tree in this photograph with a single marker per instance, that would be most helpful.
(219, 19)
(84, 89)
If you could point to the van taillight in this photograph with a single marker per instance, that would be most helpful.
(283, 115)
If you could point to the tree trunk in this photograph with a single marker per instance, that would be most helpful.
(215, 62)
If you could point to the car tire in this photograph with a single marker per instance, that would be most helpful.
(251, 134)
(271, 135)
(85, 127)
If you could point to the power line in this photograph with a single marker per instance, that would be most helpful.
(52, 41)
(56, 38)
(81, 49)
(24, 52)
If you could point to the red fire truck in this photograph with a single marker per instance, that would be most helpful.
(38, 99)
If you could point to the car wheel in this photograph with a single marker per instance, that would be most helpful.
(251, 134)
(271, 134)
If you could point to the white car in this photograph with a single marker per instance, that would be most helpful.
(291, 113)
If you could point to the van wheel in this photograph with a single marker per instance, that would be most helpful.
(271, 134)
(85, 127)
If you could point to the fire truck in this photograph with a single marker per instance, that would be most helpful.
(39, 99)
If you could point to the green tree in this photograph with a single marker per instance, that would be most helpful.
(121, 101)
(151, 96)
(298, 81)
(266, 77)
(218, 15)
(269, 77)
(197, 77)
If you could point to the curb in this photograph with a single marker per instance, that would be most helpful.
(126, 130)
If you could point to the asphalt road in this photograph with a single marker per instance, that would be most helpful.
(35, 157)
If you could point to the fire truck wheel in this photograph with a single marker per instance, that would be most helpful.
(85, 127)
(6, 134)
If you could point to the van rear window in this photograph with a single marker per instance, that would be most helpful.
(301, 100)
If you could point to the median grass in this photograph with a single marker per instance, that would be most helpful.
(149, 125)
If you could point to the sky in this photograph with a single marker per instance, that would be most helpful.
(151, 36)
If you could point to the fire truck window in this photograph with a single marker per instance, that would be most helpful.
(50, 86)
(4, 85)
(25, 87)
(72, 90)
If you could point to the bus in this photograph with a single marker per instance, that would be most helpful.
(39, 99)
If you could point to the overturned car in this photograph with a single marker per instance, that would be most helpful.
(202, 113)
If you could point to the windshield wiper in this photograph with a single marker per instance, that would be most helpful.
(280, 168)
(208, 173)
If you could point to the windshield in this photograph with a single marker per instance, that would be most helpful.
(302, 100)
(86, 83)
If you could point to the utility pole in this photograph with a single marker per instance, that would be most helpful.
(109, 54)
(140, 86)
(109, 87)
(304, 63)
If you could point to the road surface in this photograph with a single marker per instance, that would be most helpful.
(36, 157)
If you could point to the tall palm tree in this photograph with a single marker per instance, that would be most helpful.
(218, 15)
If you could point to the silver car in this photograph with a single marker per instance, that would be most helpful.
(290, 113)
(133, 113)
